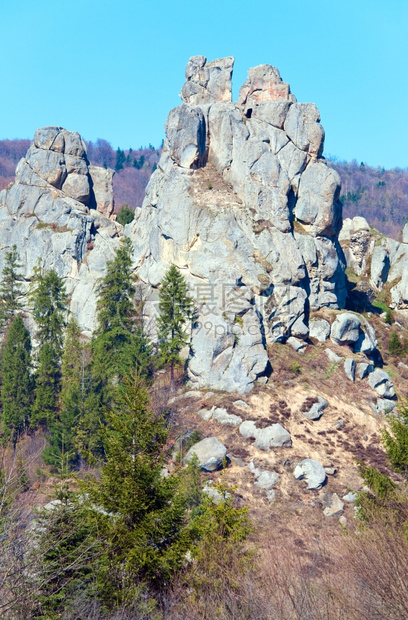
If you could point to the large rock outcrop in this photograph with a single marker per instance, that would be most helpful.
(245, 206)
(56, 213)
(383, 261)
(242, 202)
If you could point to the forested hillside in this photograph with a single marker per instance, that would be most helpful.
(379, 195)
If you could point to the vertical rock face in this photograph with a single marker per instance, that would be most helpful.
(245, 206)
(55, 213)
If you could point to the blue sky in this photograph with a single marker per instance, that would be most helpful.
(114, 69)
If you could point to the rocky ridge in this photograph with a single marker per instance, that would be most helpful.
(243, 203)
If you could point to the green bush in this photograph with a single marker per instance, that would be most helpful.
(125, 215)
(395, 346)
(296, 368)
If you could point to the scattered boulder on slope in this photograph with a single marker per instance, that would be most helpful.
(273, 436)
(345, 329)
(210, 453)
(363, 369)
(334, 505)
(380, 381)
(319, 329)
(316, 410)
(350, 369)
(353, 330)
(311, 471)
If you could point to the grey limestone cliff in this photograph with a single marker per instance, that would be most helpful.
(243, 203)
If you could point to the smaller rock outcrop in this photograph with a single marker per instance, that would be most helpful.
(57, 213)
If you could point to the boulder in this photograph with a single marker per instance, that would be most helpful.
(350, 497)
(363, 369)
(334, 506)
(333, 357)
(206, 414)
(311, 471)
(346, 329)
(248, 429)
(210, 453)
(297, 345)
(223, 417)
(240, 403)
(385, 405)
(273, 436)
(267, 479)
(216, 495)
(316, 410)
(350, 369)
(319, 329)
(380, 381)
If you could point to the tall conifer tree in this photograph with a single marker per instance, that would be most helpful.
(48, 302)
(119, 345)
(16, 389)
(176, 313)
(10, 288)
(61, 451)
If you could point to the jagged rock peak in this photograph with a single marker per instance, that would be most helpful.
(264, 83)
(207, 82)
(245, 206)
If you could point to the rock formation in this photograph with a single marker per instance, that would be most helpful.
(57, 213)
(383, 261)
(243, 203)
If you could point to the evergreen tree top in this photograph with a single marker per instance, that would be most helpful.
(10, 287)
(49, 299)
(116, 289)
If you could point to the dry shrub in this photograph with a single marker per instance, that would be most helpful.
(377, 561)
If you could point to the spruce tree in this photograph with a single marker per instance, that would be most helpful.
(61, 451)
(10, 288)
(119, 345)
(49, 306)
(395, 439)
(48, 302)
(176, 313)
(148, 535)
(16, 389)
